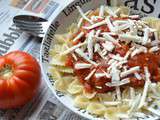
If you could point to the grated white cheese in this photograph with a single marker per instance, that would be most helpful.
(98, 33)
(112, 65)
(154, 111)
(81, 34)
(147, 74)
(82, 66)
(80, 22)
(104, 52)
(138, 76)
(119, 22)
(134, 104)
(132, 92)
(111, 39)
(119, 64)
(108, 46)
(132, 95)
(90, 74)
(99, 38)
(118, 83)
(116, 57)
(136, 39)
(146, 86)
(101, 54)
(95, 18)
(130, 71)
(99, 87)
(138, 51)
(111, 27)
(127, 55)
(96, 47)
(90, 44)
(74, 56)
(110, 61)
(109, 33)
(117, 11)
(99, 75)
(123, 27)
(110, 12)
(73, 48)
(154, 49)
(125, 68)
(115, 74)
(118, 93)
(95, 25)
(133, 30)
(81, 19)
(132, 22)
(101, 11)
(107, 75)
(146, 36)
(105, 57)
(83, 55)
(83, 15)
(112, 103)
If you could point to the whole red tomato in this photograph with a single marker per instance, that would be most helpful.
(19, 79)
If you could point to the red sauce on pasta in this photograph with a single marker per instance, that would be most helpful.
(150, 60)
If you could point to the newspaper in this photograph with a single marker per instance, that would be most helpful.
(45, 106)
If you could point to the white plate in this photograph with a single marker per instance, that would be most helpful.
(59, 25)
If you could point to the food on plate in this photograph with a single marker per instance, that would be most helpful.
(19, 79)
(109, 61)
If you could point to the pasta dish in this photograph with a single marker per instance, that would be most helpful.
(109, 62)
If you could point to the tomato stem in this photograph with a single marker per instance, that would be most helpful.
(6, 72)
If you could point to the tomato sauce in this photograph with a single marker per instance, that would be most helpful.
(69, 61)
(122, 50)
(90, 85)
(150, 60)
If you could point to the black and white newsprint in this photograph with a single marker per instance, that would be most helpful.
(45, 106)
